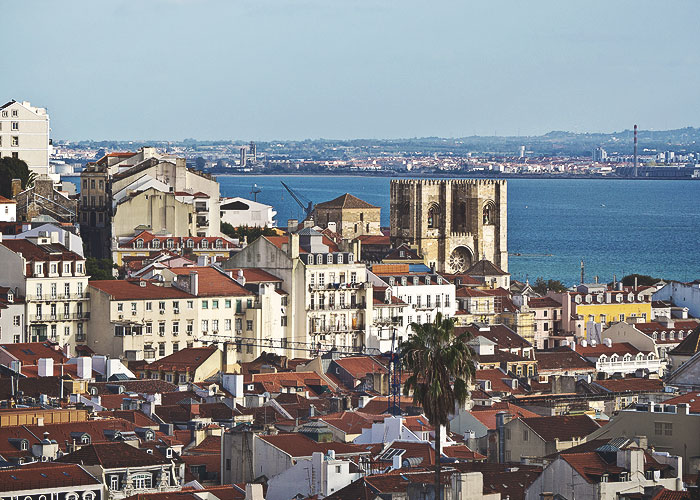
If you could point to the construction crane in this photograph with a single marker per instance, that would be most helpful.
(306, 205)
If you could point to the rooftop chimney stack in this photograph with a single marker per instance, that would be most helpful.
(635, 151)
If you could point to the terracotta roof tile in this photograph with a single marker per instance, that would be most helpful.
(113, 455)
(213, 283)
(137, 290)
(562, 427)
(345, 201)
(43, 476)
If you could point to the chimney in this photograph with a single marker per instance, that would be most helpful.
(608, 341)
(84, 367)
(292, 225)
(635, 150)
(194, 283)
(293, 247)
(46, 367)
(241, 277)
(16, 187)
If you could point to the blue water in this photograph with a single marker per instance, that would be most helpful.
(616, 226)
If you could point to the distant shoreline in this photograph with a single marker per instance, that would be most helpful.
(453, 176)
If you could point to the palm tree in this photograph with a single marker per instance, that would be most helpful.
(441, 367)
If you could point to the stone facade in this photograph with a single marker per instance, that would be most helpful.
(453, 223)
(44, 199)
(348, 216)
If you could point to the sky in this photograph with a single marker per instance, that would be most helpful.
(342, 69)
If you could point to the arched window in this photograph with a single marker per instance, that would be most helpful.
(169, 243)
(654, 336)
(139, 243)
(72, 496)
(24, 445)
(319, 259)
(141, 481)
(434, 216)
(489, 213)
(204, 243)
(603, 358)
(672, 335)
(88, 495)
(340, 258)
(351, 258)
(85, 439)
(329, 258)
(155, 243)
(219, 244)
(663, 335)
(190, 243)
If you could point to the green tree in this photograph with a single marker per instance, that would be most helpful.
(99, 269)
(14, 168)
(542, 286)
(440, 366)
(642, 280)
(252, 233)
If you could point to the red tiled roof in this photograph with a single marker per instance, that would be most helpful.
(30, 353)
(227, 492)
(274, 382)
(562, 427)
(462, 452)
(691, 398)
(189, 358)
(504, 337)
(138, 290)
(562, 360)
(590, 465)
(472, 292)
(298, 445)
(5, 201)
(543, 302)
(359, 366)
(345, 201)
(213, 282)
(254, 275)
(654, 327)
(666, 494)
(374, 239)
(487, 414)
(414, 450)
(497, 378)
(113, 455)
(631, 385)
(351, 422)
(43, 476)
(210, 444)
(619, 348)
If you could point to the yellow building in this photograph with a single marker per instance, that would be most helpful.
(606, 307)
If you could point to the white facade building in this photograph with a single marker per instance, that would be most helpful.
(241, 212)
(53, 282)
(681, 295)
(24, 134)
(8, 210)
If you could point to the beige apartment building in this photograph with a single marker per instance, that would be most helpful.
(156, 211)
(194, 306)
(331, 299)
(24, 134)
(53, 282)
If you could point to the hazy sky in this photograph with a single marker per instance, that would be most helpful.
(296, 69)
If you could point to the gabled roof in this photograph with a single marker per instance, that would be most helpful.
(30, 353)
(189, 358)
(42, 476)
(359, 366)
(298, 445)
(113, 455)
(212, 282)
(6, 201)
(345, 201)
(619, 348)
(563, 359)
(542, 302)
(590, 465)
(487, 414)
(692, 399)
(562, 427)
(690, 345)
(485, 268)
(631, 385)
(504, 337)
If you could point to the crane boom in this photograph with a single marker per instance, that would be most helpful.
(308, 209)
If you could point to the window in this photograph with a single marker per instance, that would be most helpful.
(321, 279)
(228, 464)
(507, 434)
(249, 325)
(141, 481)
(114, 482)
(215, 325)
(668, 429)
(190, 327)
(161, 328)
(15, 141)
(434, 216)
(190, 304)
(525, 435)
(133, 307)
(66, 289)
(205, 304)
(149, 328)
(227, 303)
(120, 306)
(161, 306)
(176, 328)
(214, 304)
(227, 325)
(658, 428)
(161, 349)
(205, 325)
(15, 320)
(283, 321)
(353, 277)
(176, 346)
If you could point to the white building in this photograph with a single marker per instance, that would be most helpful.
(621, 357)
(420, 296)
(681, 295)
(11, 317)
(53, 282)
(8, 210)
(241, 212)
(24, 134)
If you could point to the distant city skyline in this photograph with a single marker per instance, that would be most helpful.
(292, 70)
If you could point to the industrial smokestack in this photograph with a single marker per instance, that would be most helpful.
(635, 150)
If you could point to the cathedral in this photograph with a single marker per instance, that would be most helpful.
(453, 223)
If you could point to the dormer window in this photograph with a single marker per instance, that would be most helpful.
(672, 335)
(219, 244)
(190, 243)
(155, 243)
(680, 334)
(204, 243)
(24, 445)
(329, 258)
(340, 258)
(427, 280)
(654, 336)
(85, 439)
(351, 258)
(415, 280)
(392, 281)
(663, 335)
(403, 280)
(169, 243)
(169, 453)
(319, 259)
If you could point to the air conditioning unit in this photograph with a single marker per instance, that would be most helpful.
(133, 313)
(121, 316)
(176, 311)
(162, 311)
(161, 334)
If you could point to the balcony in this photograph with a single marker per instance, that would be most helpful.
(337, 329)
(393, 321)
(337, 286)
(47, 297)
(47, 318)
(337, 307)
